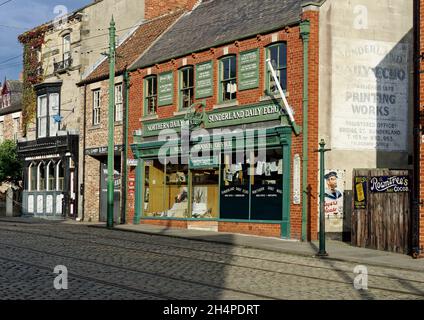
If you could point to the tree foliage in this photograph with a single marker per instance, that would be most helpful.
(10, 164)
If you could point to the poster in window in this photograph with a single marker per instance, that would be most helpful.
(166, 89)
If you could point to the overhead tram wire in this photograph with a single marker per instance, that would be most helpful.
(5, 2)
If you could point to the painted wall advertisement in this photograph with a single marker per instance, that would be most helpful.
(334, 199)
(370, 95)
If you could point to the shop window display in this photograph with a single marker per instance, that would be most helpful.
(205, 194)
(266, 188)
(251, 188)
(234, 188)
(166, 190)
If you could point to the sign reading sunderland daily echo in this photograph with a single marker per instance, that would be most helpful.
(369, 95)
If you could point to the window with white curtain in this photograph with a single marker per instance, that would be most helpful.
(42, 116)
(53, 110)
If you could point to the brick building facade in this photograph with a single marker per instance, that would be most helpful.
(300, 26)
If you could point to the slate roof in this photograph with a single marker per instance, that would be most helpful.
(15, 88)
(131, 49)
(216, 22)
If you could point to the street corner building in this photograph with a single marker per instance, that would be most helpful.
(56, 57)
(347, 80)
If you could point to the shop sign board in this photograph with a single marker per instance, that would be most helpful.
(165, 89)
(204, 80)
(236, 116)
(249, 70)
(389, 184)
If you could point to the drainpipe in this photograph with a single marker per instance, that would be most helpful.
(305, 32)
(416, 201)
(83, 154)
(125, 150)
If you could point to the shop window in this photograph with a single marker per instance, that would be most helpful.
(60, 176)
(165, 190)
(228, 79)
(251, 188)
(151, 95)
(278, 55)
(234, 187)
(51, 181)
(41, 177)
(186, 87)
(205, 194)
(266, 187)
(96, 107)
(118, 102)
(32, 177)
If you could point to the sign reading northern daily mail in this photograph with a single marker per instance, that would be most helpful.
(370, 95)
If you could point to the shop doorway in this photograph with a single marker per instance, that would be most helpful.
(117, 179)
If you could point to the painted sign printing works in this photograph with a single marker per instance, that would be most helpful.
(370, 95)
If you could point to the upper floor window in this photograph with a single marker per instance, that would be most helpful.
(1, 131)
(96, 107)
(151, 95)
(47, 109)
(228, 79)
(16, 126)
(186, 87)
(118, 102)
(278, 55)
(66, 42)
(6, 100)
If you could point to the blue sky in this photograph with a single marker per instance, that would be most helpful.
(16, 17)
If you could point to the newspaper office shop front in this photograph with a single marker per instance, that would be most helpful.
(230, 172)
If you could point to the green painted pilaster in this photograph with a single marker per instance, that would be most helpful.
(139, 191)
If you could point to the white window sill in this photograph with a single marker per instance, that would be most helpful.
(272, 97)
(181, 113)
(226, 105)
(148, 118)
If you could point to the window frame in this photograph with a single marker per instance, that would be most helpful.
(96, 109)
(182, 89)
(47, 90)
(40, 117)
(221, 79)
(268, 72)
(66, 54)
(154, 96)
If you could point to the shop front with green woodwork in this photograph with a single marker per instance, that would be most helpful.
(226, 165)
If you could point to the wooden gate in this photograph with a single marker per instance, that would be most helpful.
(381, 217)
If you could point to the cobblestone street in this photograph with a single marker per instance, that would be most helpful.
(105, 264)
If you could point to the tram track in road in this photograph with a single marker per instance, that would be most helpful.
(102, 266)
(226, 264)
(91, 279)
(197, 250)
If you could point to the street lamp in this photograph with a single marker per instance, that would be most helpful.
(322, 252)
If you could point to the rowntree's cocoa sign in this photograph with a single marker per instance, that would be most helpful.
(393, 184)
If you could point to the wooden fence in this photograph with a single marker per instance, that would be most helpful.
(384, 221)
